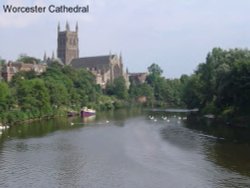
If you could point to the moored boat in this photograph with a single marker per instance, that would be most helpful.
(86, 112)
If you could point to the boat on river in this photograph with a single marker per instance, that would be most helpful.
(86, 112)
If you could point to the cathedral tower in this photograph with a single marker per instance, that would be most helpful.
(67, 44)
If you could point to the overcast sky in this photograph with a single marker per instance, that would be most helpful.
(176, 34)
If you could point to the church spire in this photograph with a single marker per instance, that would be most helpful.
(120, 57)
(67, 26)
(58, 27)
(53, 55)
(76, 26)
(44, 57)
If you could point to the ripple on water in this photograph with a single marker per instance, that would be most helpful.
(135, 153)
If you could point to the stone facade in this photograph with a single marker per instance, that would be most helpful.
(138, 78)
(10, 69)
(67, 44)
(105, 68)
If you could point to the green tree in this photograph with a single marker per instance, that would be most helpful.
(155, 69)
(192, 95)
(119, 88)
(33, 96)
(58, 93)
(4, 96)
(27, 59)
(221, 84)
(157, 82)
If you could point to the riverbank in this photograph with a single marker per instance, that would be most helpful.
(15, 117)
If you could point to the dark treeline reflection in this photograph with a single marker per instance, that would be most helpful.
(230, 147)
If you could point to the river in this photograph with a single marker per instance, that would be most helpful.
(125, 149)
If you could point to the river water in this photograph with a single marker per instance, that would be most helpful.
(125, 149)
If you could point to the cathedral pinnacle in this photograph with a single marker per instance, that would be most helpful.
(76, 26)
(58, 27)
(53, 55)
(44, 56)
(67, 26)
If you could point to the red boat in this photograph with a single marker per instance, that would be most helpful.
(86, 112)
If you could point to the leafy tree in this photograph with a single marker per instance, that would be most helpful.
(120, 88)
(58, 93)
(192, 95)
(144, 89)
(27, 59)
(33, 96)
(155, 69)
(221, 84)
(157, 82)
(167, 92)
(4, 96)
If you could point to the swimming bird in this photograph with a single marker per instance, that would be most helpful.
(164, 118)
(151, 117)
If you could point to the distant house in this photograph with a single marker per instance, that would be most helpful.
(142, 99)
(138, 78)
(11, 68)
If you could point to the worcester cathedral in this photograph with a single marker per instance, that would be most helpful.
(105, 68)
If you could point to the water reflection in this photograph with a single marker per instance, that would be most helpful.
(226, 146)
(44, 127)
(89, 119)
(126, 148)
(232, 150)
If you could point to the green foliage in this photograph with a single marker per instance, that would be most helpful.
(155, 69)
(27, 59)
(106, 102)
(4, 96)
(156, 81)
(118, 88)
(136, 91)
(221, 84)
(32, 95)
(57, 92)
(166, 92)
(191, 95)
(22, 76)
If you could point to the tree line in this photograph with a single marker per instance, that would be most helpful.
(220, 85)
(56, 91)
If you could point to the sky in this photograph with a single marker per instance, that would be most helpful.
(175, 34)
